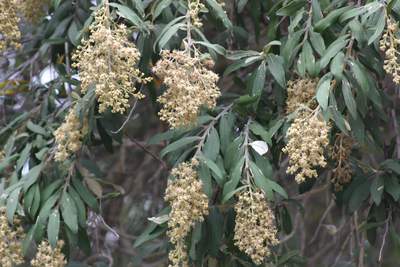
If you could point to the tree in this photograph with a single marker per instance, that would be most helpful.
(270, 128)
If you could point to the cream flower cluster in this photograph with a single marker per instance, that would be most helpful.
(307, 141)
(255, 230)
(188, 205)
(10, 241)
(9, 32)
(341, 153)
(300, 92)
(32, 10)
(190, 85)
(194, 9)
(389, 43)
(46, 256)
(69, 135)
(108, 61)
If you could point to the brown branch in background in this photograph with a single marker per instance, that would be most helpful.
(397, 132)
(328, 209)
(153, 155)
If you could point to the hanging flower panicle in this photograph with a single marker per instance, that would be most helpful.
(10, 35)
(255, 230)
(49, 257)
(307, 140)
(194, 10)
(68, 137)
(300, 92)
(341, 154)
(108, 61)
(190, 85)
(188, 205)
(11, 237)
(389, 45)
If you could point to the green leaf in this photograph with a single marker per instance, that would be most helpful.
(317, 42)
(291, 8)
(167, 35)
(217, 10)
(80, 206)
(130, 15)
(379, 27)
(348, 98)
(332, 50)
(241, 63)
(358, 196)
(376, 190)
(32, 176)
(218, 173)
(337, 66)
(323, 89)
(259, 80)
(85, 194)
(259, 130)
(53, 227)
(275, 66)
(36, 128)
(178, 144)
(267, 185)
(161, 6)
(391, 164)
(12, 203)
(212, 146)
(309, 59)
(215, 47)
(329, 20)
(69, 212)
(392, 186)
(234, 178)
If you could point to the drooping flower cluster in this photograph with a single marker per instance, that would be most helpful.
(49, 257)
(9, 32)
(194, 9)
(300, 92)
(108, 61)
(190, 85)
(10, 241)
(389, 43)
(255, 230)
(69, 135)
(32, 10)
(341, 153)
(307, 141)
(188, 205)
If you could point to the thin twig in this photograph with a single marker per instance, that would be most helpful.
(137, 143)
(328, 209)
(127, 118)
(384, 237)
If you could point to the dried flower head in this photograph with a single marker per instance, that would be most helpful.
(341, 154)
(188, 205)
(255, 230)
(32, 10)
(68, 137)
(11, 237)
(194, 9)
(300, 92)
(9, 32)
(190, 85)
(307, 141)
(109, 61)
(388, 44)
(49, 257)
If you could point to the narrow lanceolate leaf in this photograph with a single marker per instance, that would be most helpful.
(218, 174)
(178, 144)
(337, 66)
(317, 42)
(130, 15)
(31, 177)
(259, 80)
(379, 27)
(330, 19)
(12, 203)
(323, 89)
(160, 7)
(53, 227)
(219, 12)
(332, 50)
(241, 63)
(275, 66)
(69, 212)
(348, 98)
